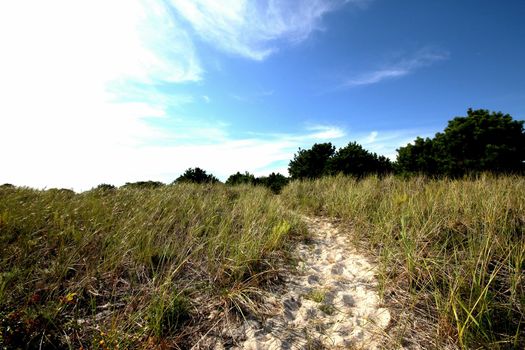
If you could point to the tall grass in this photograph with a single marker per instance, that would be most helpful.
(132, 267)
(457, 247)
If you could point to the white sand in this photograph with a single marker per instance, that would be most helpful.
(345, 312)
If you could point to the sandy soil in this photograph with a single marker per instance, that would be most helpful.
(329, 302)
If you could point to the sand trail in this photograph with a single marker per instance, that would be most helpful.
(329, 302)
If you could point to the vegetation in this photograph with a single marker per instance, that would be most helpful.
(137, 185)
(481, 141)
(133, 267)
(457, 247)
(238, 179)
(105, 187)
(196, 175)
(311, 163)
(323, 160)
(274, 182)
(356, 161)
(153, 265)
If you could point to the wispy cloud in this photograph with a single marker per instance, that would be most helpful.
(81, 102)
(252, 28)
(83, 160)
(261, 153)
(385, 142)
(423, 58)
(325, 132)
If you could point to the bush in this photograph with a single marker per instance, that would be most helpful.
(139, 185)
(108, 187)
(196, 175)
(238, 178)
(275, 182)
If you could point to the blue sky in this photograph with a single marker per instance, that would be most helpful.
(127, 90)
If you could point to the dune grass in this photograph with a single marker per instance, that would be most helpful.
(146, 268)
(133, 268)
(450, 251)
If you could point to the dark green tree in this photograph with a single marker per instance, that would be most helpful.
(419, 157)
(274, 181)
(357, 161)
(311, 163)
(238, 178)
(481, 141)
(196, 175)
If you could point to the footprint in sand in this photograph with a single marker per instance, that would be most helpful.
(313, 279)
(333, 306)
(348, 300)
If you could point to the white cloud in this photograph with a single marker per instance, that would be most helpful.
(372, 137)
(252, 28)
(77, 85)
(423, 58)
(377, 76)
(61, 58)
(83, 158)
(325, 132)
(61, 122)
(386, 142)
(221, 154)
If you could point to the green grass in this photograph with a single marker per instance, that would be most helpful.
(316, 295)
(145, 268)
(456, 248)
(139, 266)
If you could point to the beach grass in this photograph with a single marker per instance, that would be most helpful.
(451, 252)
(134, 267)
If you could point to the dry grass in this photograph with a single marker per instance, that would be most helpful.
(137, 268)
(161, 268)
(451, 252)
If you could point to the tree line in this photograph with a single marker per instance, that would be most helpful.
(274, 181)
(481, 141)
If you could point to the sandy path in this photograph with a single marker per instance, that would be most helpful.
(329, 302)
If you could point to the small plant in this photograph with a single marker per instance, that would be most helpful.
(317, 295)
(168, 314)
(328, 309)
